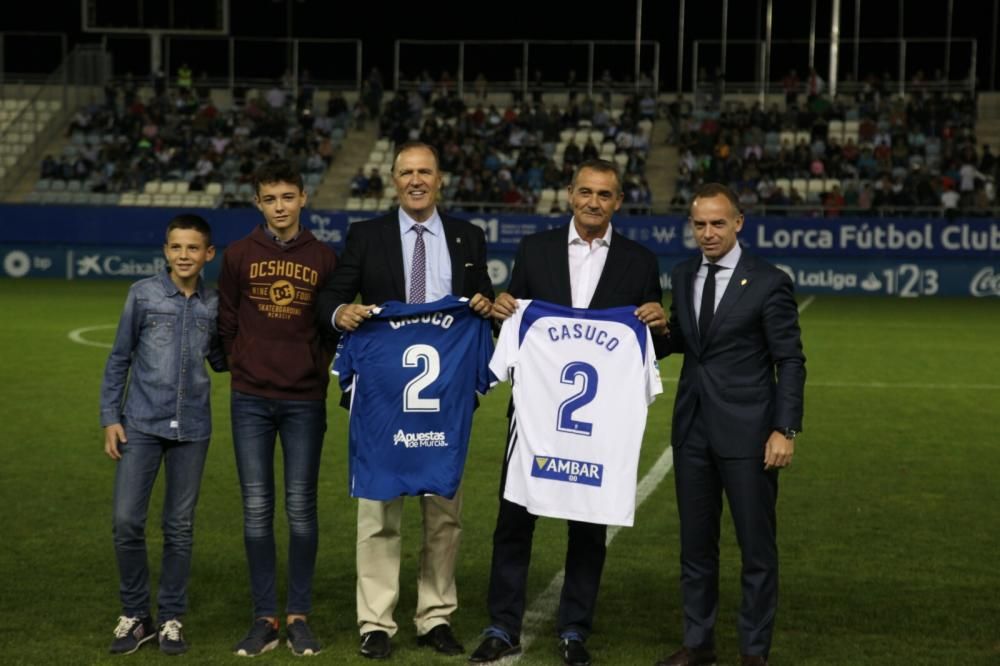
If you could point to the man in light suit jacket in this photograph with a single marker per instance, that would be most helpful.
(585, 264)
(737, 412)
(378, 264)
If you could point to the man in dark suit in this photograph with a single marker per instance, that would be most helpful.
(738, 409)
(586, 265)
(413, 254)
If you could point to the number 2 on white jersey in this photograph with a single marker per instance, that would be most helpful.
(412, 355)
(564, 419)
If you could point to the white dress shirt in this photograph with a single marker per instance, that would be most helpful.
(438, 279)
(727, 264)
(586, 263)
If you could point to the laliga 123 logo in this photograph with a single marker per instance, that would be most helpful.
(985, 283)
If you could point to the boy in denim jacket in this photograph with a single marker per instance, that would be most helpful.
(166, 331)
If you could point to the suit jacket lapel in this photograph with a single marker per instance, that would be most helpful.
(734, 290)
(457, 254)
(686, 293)
(393, 245)
(559, 267)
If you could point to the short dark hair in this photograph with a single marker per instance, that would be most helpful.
(410, 145)
(708, 190)
(601, 166)
(191, 221)
(277, 171)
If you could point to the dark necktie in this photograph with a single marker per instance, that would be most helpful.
(707, 301)
(418, 270)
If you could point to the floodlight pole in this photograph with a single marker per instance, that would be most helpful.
(155, 51)
(725, 36)
(812, 35)
(857, 38)
(834, 45)
(680, 51)
(766, 55)
(947, 42)
(638, 42)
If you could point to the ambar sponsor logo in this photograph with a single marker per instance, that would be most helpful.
(571, 471)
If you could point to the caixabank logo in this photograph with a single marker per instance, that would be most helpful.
(126, 264)
(571, 471)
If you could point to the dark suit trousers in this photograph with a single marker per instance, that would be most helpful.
(585, 553)
(701, 477)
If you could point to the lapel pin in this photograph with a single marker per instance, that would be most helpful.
(743, 282)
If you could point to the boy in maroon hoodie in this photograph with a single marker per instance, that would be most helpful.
(279, 361)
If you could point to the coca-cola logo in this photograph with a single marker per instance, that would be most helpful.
(985, 283)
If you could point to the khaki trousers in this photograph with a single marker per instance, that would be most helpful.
(378, 559)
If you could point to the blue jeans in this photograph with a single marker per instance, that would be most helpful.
(134, 477)
(256, 424)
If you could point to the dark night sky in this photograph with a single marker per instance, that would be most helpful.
(379, 24)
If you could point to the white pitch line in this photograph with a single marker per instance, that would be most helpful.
(889, 385)
(545, 604)
(76, 336)
(908, 385)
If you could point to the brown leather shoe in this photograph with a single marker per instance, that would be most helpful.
(752, 660)
(689, 657)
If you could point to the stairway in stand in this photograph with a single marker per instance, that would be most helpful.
(333, 193)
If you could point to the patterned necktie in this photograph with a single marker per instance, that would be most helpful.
(418, 270)
(707, 301)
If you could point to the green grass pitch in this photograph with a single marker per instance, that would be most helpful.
(889, 518)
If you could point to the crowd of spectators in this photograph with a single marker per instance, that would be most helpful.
(503, 158)
(180, 134)
(872, 151)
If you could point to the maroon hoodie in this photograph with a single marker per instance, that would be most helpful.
(267, 301)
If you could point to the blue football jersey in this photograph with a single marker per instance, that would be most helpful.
(413, 371)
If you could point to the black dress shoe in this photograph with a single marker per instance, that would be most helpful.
(689, 657)
(441, 639)
(574, 652)
(375, 645)
(494, 649)
(752, 660)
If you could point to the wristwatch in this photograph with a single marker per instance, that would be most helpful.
(789, 433)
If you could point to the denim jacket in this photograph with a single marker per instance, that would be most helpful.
(155, 378)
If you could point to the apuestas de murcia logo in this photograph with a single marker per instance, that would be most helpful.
(985, 283)
(416, 440)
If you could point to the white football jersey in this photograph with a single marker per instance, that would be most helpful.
(582, 381)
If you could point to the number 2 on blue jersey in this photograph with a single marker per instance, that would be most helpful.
(412, 355)
(564, 419)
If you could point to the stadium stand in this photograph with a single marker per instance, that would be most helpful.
(515, 157)
(178, 150)
(873, 151)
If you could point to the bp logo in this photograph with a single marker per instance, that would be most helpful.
(17, 263)
(282, 292)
